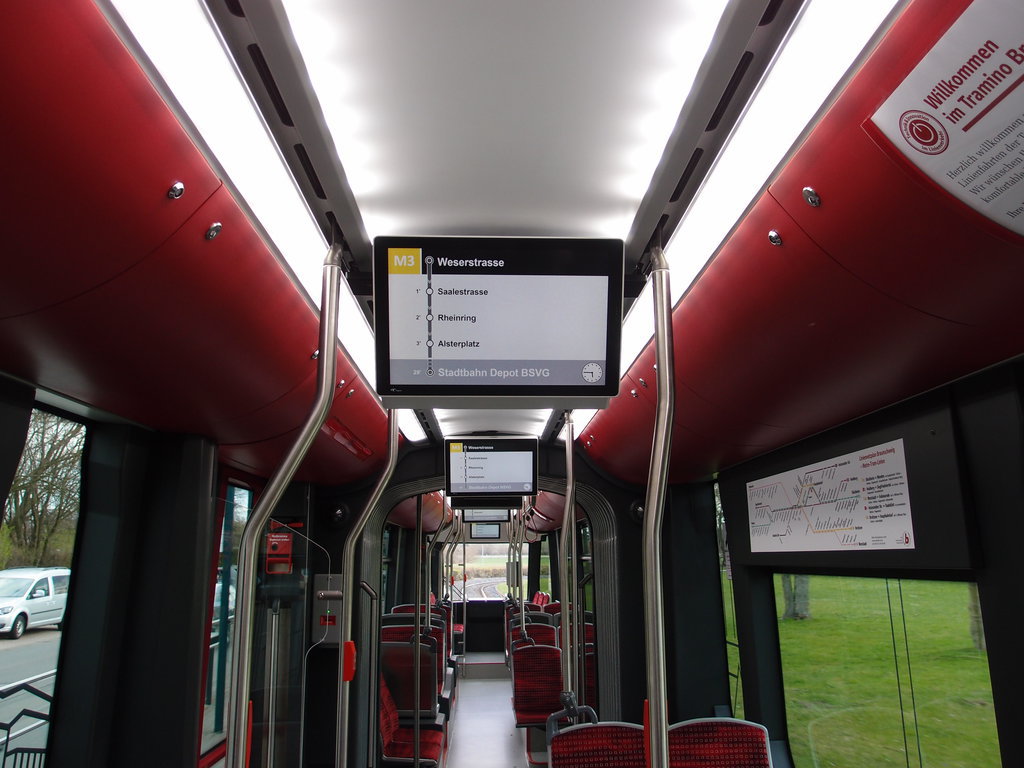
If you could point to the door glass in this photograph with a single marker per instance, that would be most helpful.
(237, 506)
(40, 519)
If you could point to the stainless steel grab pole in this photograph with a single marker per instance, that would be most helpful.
(567, 562)
(442, 528)
(654, 508)
(348, 571)
(248, 550)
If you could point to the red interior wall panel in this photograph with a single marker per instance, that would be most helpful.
(705, 433)
(435, 511)
(551, 507)
(789, 339)
(884, 220)
(90, 152)
(799, 342)
(351, 445)
(618, 439)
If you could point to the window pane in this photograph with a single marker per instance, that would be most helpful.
(37, 541)
(485, 571)
(237, 506)
(545, 566)
(884, 672)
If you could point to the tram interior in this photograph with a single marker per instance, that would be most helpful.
(755, 412)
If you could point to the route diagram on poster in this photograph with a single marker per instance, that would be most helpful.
(860, 500)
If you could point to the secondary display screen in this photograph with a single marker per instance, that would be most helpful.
(477, 466)
(485, 530)
(496, 317)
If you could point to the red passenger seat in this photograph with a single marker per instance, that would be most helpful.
(536, 684)
(541, 634)
(598, 745)
(403, 633)
(397, 662)
(718, 741)
(398, 744)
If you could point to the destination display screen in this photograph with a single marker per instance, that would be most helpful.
(503, 466)
(496, 317)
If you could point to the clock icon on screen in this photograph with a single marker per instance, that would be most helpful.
(592, 372)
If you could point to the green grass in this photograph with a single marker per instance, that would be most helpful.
(844, 681)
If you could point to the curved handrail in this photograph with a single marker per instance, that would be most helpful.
(327, 369)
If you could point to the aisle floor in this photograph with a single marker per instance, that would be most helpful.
(485, 733)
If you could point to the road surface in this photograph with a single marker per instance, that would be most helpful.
(34, 654)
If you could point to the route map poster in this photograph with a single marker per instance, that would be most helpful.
(860, 500)
(959, 115)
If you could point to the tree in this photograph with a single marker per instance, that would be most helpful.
(42, 508)
(796, 590)
(974, 611)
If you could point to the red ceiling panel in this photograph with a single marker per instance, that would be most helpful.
(90, 152)
(192, 338)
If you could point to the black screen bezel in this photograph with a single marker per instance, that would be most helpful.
(554, 256)
(507, 443)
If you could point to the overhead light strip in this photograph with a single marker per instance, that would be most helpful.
(831, 37)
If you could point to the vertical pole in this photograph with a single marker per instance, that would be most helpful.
(371, 722)
(567, 562)
(241, 649)
(273, 648)
(348, 606)
(417, 658)
(517, 555)
(510, 562)
(654, 508)
(465, 600)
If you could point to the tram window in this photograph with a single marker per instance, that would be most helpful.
(237, 506)
(485, 571)
(40, 520)
(885, 672)
(387, 565)
(545, 566)
(585, 569)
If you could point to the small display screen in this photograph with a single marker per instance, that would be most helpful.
(485, 530)
(502, 466)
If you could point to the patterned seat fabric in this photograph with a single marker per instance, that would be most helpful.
(398, 662)
(718, 743)
(399, 741)
(399, 634)
(601, 745)
(536, 683)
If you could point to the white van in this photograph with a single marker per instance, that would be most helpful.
(32, 597)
